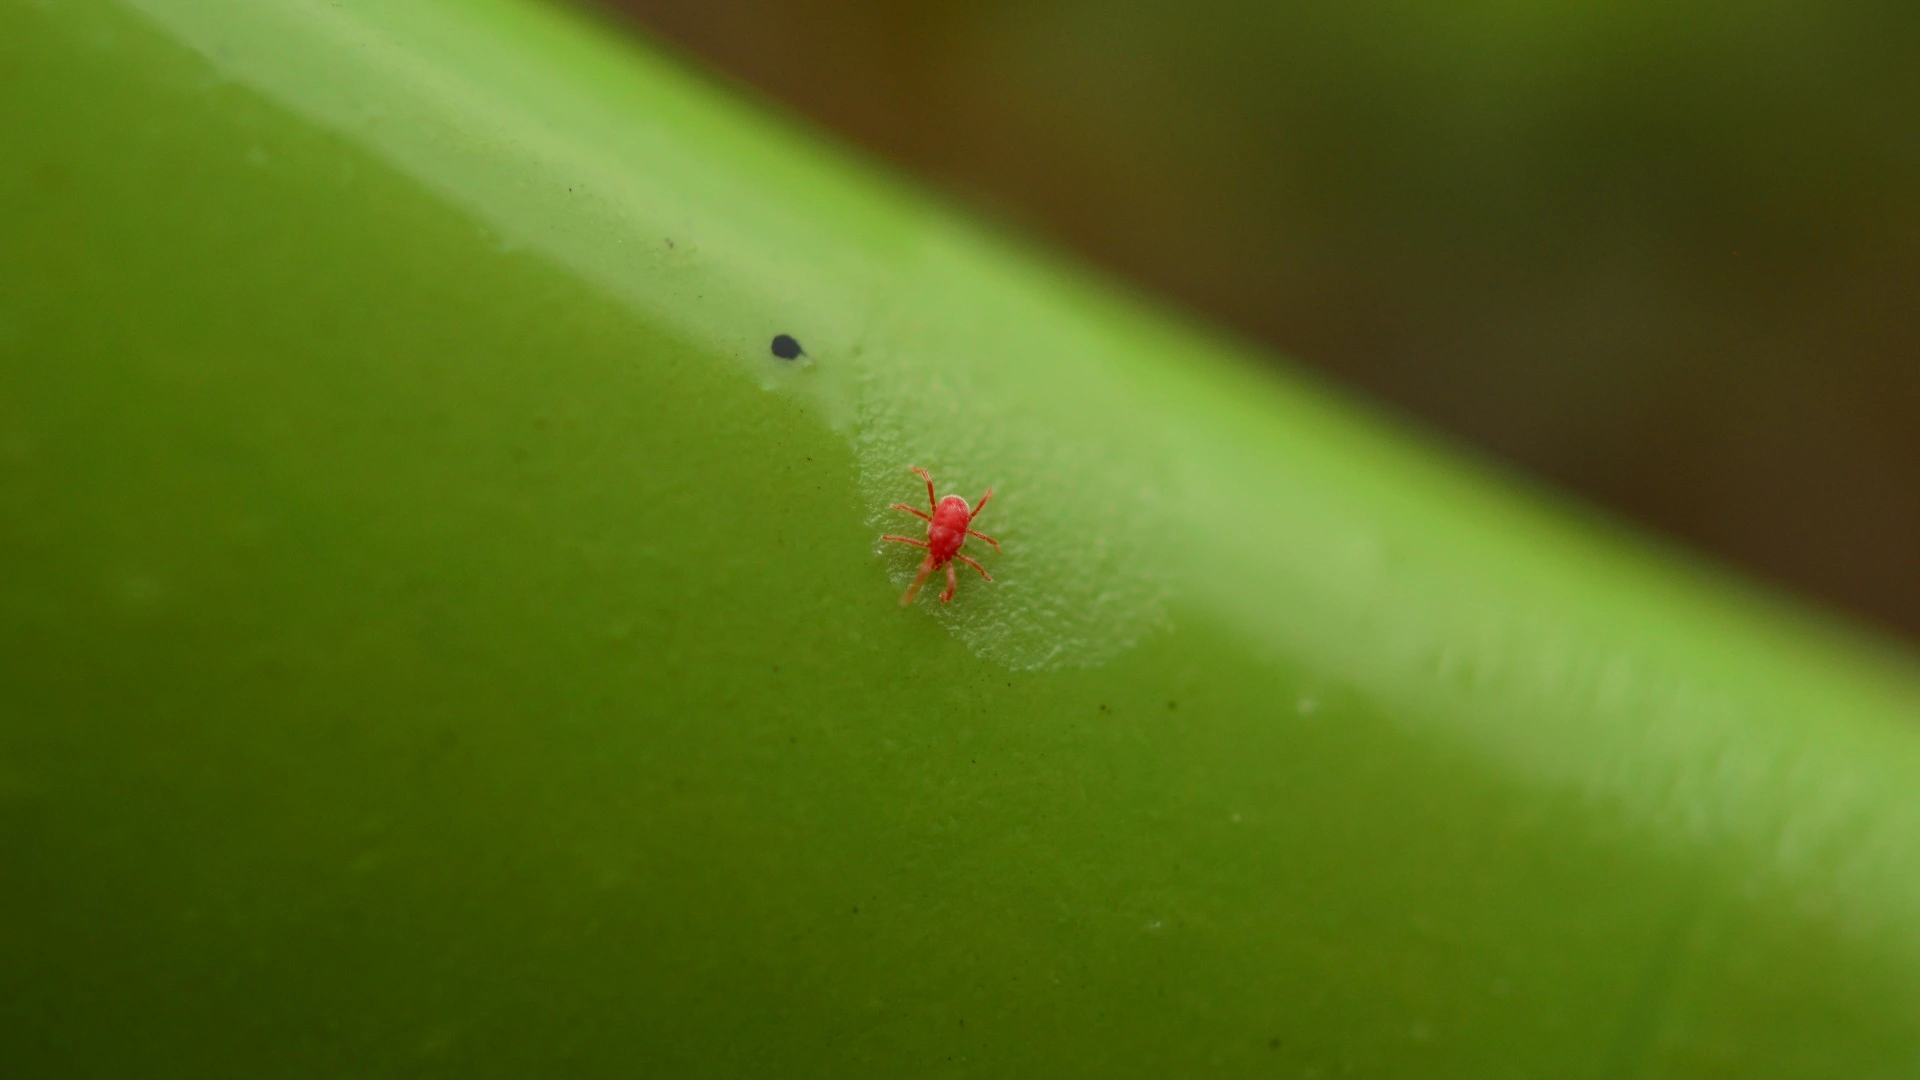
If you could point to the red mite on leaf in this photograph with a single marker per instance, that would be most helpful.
(947, 528)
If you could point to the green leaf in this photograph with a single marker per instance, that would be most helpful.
(438, 635)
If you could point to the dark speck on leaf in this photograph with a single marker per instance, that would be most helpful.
(786, 348)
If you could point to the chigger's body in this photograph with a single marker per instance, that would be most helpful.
(948, 527)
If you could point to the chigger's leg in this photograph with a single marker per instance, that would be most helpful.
(911, 510)
(906, 540)
(932, 503)
(984, 536)
(976, 566)
(982, 504)
(953, 583)
(926, 567)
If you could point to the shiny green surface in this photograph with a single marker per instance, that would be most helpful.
(437, 638)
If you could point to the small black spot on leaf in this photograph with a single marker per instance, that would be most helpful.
(786, 348)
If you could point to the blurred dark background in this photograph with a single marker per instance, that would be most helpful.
(1665, 253)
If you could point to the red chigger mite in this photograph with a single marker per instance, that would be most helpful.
(947, 528)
